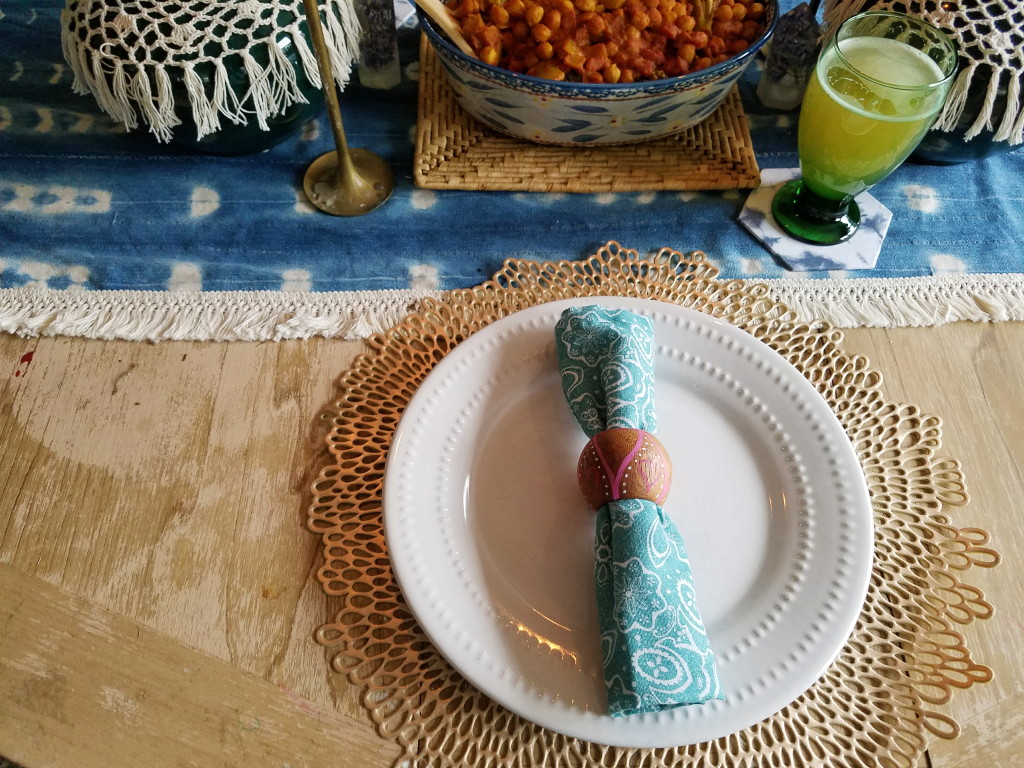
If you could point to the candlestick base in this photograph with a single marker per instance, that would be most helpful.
(353, 194)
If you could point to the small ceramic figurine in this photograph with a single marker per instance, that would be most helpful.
(794, 49)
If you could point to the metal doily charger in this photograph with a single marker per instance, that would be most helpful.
(875, 703)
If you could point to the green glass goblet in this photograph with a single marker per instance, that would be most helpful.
(877, 88)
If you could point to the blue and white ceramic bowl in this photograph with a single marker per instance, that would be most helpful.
(588, 114)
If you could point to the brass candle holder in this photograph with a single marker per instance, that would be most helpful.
(344, 182)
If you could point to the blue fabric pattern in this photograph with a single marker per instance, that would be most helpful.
(655, 650)
(84, 204)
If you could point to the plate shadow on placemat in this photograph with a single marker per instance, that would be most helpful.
(455, 151)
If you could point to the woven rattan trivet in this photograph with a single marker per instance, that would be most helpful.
(455, 151)
(874, 704)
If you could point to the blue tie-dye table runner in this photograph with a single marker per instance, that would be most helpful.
(85, 205)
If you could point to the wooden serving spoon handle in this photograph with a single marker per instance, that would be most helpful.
(439, 13)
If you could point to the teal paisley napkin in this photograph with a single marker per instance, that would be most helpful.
(655, 650)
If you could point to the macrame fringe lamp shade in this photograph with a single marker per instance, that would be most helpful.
(990, 37)
(228, 61)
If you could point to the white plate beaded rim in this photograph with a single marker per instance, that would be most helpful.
(490, 540)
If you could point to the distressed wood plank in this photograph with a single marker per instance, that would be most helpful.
(84, 687)
(163, 488)
(169, 483)
(972, 376)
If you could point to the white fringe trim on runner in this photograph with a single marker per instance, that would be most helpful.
(274, 316)
(910, 302)
(204, 315)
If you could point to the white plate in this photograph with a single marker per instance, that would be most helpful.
(492, 542)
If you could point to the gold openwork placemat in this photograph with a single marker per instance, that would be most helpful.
(455, 151)
(874, 704)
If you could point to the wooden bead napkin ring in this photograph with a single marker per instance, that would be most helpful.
(624, 464)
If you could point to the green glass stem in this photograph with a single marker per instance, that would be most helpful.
(814, 219)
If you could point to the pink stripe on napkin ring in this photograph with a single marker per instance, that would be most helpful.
(624, 463)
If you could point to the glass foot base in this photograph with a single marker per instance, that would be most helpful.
(811, 219)
(859, 252)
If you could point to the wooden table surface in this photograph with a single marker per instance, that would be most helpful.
(157, 590)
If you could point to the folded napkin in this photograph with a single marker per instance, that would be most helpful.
(655, 650)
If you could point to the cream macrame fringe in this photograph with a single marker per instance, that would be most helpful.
(129, 91)
(972, 76)
(903, 302)
(205, 315)
(275, 316)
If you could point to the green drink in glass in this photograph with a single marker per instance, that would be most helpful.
(876, 90)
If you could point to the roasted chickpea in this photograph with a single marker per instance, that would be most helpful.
(540, 32)
(490, 55)
(499, 16)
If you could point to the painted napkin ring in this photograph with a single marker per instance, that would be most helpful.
(624, 463)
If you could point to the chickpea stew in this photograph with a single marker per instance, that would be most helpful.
(607, 41)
